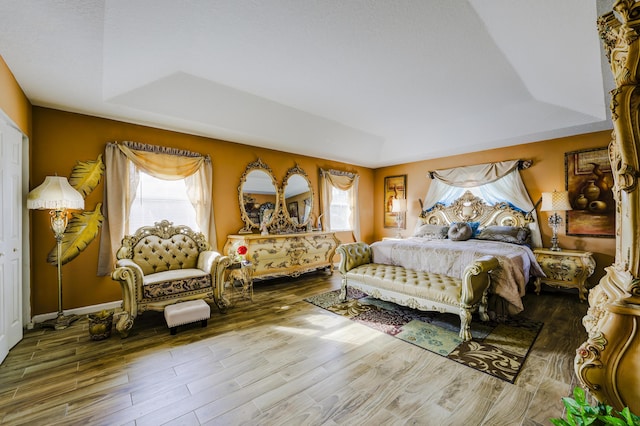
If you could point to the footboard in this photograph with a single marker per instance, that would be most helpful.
(419, 289)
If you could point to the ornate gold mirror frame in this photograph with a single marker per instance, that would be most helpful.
(265, 207)
(297, 196)
(608, 363)
(258, 196)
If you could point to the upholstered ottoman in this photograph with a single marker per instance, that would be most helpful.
(185, 313)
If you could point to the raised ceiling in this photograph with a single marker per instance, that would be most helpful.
(373, 83)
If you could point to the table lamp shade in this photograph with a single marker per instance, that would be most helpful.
(399, 205)
(55, 193)
(555, 201)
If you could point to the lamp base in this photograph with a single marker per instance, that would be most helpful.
(554, 221)
(60, 323)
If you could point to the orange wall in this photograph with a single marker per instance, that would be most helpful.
(60, 139)
(13, 100)
(546, 174)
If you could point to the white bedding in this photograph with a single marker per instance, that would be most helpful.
(444, 256)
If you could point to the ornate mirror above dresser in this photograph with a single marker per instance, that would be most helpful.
(277, 232)
(258, 196)
(298, 197)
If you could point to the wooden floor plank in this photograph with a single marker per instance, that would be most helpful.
(280, 361)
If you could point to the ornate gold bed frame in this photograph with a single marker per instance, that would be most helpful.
(608, 363)
(469, 208)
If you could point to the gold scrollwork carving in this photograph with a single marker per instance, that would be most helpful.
(588, 356)
(608, 367)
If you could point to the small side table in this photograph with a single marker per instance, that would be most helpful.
(240, 276)
(565, 269)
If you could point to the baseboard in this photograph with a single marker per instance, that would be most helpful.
(77, 311)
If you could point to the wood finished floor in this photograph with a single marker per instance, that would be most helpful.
(280, 361)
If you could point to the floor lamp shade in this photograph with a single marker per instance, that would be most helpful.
(55, 193)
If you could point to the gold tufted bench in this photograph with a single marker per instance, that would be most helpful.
(418, 289)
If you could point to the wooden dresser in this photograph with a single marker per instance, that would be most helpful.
(285, 254)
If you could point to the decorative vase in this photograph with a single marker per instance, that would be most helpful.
(591, 191)
(601, 179)
(100, 325)
(598, 206)
(581, 202)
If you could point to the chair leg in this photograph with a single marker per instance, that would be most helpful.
(203, 323)
(173, 330)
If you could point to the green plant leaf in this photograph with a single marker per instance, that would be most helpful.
(592, 411)
(614, 421)
(605, 410)
(572, 405)
(631, 418)
(580, 413)
(560, 422)
(579, 396)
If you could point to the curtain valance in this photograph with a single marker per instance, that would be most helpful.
(479, 174)
(339, 179)
(163, 162)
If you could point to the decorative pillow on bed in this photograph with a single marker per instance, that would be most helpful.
(507, 234)
(460, 231)
(434, 232)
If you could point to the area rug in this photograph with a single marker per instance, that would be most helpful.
(496, 348)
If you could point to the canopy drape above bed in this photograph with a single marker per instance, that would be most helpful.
(496, 182)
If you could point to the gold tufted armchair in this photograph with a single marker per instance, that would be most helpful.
(164, 264)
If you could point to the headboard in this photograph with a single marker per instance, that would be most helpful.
(469, 208)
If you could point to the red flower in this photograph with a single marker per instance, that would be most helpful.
(242, 250)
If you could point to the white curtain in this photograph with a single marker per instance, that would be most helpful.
(496, 182)
(123, 161)
(344, 181)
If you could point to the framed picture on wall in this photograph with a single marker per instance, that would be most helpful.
(589, 182)
(395, 187)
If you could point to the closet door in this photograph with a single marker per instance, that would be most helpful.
(10, 237)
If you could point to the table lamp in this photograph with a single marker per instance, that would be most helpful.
(554, 202)
(399, 207)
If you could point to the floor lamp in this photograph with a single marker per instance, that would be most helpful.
(399, 207)
(554, 202)
(58, 196)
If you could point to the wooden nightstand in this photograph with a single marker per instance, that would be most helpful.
(565, 269)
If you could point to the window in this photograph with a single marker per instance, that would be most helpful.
(158, 199)
(340, 210)
(339, 201)
(130, 188)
